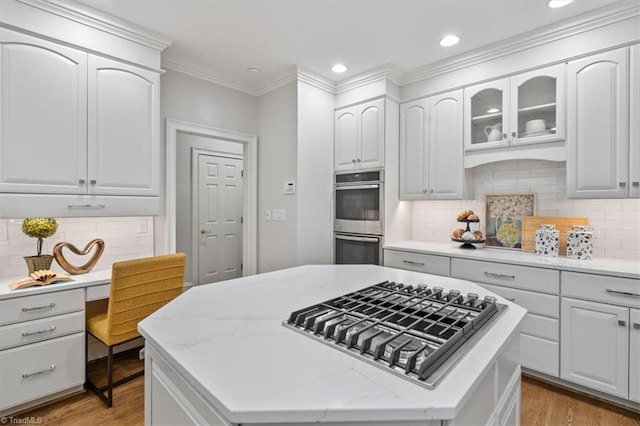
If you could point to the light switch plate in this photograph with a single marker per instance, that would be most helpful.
(290, 187)
(278, 215)
(267, 214)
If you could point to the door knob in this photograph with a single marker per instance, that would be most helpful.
(203, 231)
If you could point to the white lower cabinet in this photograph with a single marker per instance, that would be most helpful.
(595, 346)
(426, 263)
(634, 355)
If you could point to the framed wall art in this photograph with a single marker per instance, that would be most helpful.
(503, 218)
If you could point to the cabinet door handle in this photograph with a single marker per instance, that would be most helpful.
(353, 160)
(511, 299)
(359, 160)
(635, 184)
(86, 206)
(494, 275)
(93, 181)
(622, 293)
(81, 181)
(514, 135)
(636, 325)
(622, 184)
(31, 333)
(411, 262)
(50, 305)
(46, 370)
(622, 323)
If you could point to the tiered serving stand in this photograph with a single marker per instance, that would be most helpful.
(468, 244)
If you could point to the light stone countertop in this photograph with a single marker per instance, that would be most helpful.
(227, 340)
(601, 266)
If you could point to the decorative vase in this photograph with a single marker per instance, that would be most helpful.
(37, 263)
(580, 243)
(547, 241)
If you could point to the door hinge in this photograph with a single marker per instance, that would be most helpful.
(241, 219)
(241, 173)
(241, 266)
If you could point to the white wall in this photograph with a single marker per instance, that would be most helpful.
(315, 175)
(184, 232)
(277, 157)
(616, 223)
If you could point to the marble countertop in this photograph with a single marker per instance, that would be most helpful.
(603, 266)
(77, 281)
(228, 341)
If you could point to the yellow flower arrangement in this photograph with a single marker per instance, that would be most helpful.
(40, 228)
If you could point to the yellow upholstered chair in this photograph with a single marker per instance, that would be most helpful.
(138, 288)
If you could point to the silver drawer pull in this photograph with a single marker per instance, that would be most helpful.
(636, 325)
(493, 274)
(31, 333)
(623, 293)
(46, 370)
(86, 206)
(411, 262)
(511, 299)
(622, 323)
(50, 305)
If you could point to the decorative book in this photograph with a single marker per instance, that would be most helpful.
(42, 277)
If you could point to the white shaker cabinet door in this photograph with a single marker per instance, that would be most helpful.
(43, 116)
(414, 131)
(371, 149)
(445, 174)
(123, 129)
(595, 346)
(346, 138)
(597, 129)
(634, 356)
(634, 123)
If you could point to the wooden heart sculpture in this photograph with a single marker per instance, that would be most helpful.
(74, 270)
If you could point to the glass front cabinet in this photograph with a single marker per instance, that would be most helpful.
(523, 109)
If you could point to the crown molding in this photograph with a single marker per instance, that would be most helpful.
(383, 72)
(547, 34)
(287, 77)
(316, 80)
(174, 63)
(90, 17)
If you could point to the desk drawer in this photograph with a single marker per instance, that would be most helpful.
(522, 277)
(594, 287)
(535, 303)
(419, 262)
(27, 332)
(40, 369)
(40, 306)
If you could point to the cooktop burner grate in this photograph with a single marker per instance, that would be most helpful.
(411, 330)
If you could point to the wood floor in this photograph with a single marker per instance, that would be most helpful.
(542, 404)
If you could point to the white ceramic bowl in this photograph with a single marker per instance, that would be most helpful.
(536, 126)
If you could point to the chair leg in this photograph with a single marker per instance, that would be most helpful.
(110, 377)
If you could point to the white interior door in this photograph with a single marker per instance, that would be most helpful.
(219, 218)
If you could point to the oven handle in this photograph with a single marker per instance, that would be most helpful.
(362, 239)
(349, 187)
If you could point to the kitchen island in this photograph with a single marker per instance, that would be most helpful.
(219, 354)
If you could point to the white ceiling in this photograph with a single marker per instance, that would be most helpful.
(227, 37)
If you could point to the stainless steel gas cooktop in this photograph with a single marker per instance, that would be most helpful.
(416, 332)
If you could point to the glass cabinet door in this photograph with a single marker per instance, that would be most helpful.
(487, 114)
(537, 99)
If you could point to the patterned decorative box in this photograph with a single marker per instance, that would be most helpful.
(547, 241)
(580, 243)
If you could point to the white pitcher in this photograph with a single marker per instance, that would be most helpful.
(494, 133)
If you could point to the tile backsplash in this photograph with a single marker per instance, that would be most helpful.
(124, 238)
(615, 222)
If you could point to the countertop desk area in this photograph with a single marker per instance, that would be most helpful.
(42, 339)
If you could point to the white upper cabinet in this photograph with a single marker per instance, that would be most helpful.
(74, 123)
(123, 114)
(634, 123)
(431, 148)
(526, 108)
(598, 142)
(44, 116)
(359, 136)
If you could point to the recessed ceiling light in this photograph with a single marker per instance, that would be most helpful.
(492, 110)
(449, 40)
(558, 3)
(339, 68)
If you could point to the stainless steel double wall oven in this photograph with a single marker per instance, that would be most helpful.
(359, 217)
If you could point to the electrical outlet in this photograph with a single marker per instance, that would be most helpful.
(279, 215)
(141, 353)
(142, 227)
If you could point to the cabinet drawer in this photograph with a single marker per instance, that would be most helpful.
(39, 306)
(543, 327)
(523, 277)
(40, 369)
(535, 303)
(594, 287)
(540, 355)
(28, 332)
(427, 263)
